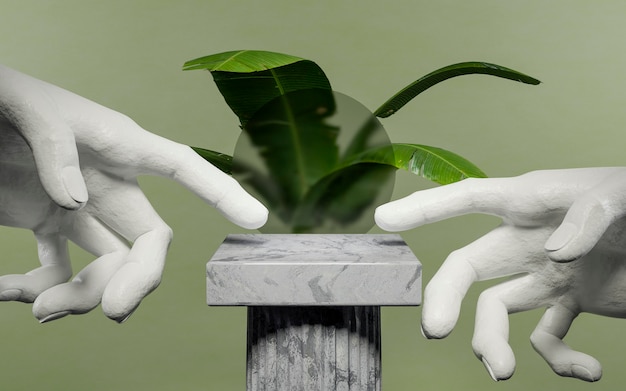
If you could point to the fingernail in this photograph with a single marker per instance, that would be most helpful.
(580, 372)
(55, 316)
(563, 235)
(489, 370)
(123, 319)
(75, 184)
(423, 333)
(10, 294)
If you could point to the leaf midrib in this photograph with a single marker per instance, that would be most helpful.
(231, 58)
(295, 136)
(363, 158)
(430, 152)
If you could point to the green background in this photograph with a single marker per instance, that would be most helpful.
(128, 55)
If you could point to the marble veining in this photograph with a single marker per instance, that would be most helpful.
(313, 348)
(314, 269)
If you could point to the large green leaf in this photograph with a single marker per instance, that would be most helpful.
(244, 61)
(250, 79)
(294, 142)
(435, 164)
(403, 97)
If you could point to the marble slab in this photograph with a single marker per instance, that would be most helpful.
(314, 270)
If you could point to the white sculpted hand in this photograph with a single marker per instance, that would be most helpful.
(579, 267)
(97, 204)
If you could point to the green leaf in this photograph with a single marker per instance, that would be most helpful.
(435, 164)
(338, 201)
(287, 110)
(295, 143)
(220, 160)
(345, 193)
(244, 61)
(361, 141)
(250, 79)
(403, 97)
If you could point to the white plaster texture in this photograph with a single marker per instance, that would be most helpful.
(562, 238)
(68, 171)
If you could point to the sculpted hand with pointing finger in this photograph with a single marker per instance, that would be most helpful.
(563, 242)
(68, 171)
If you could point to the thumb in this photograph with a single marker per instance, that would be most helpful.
(587, 220)
(58, 167)
(28, 107)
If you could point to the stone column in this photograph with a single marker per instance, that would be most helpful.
(313, 304)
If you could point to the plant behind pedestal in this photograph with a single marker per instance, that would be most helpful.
(318, 159)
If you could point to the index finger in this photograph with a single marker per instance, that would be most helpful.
(145, 153)
(472, 195)
(537, 197)
(216, 188)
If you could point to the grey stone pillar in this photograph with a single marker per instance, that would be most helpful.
(313, 348)
(314, 304)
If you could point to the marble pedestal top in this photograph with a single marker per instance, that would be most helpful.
(313, 270)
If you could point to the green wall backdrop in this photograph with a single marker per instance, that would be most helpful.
(128, 55)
